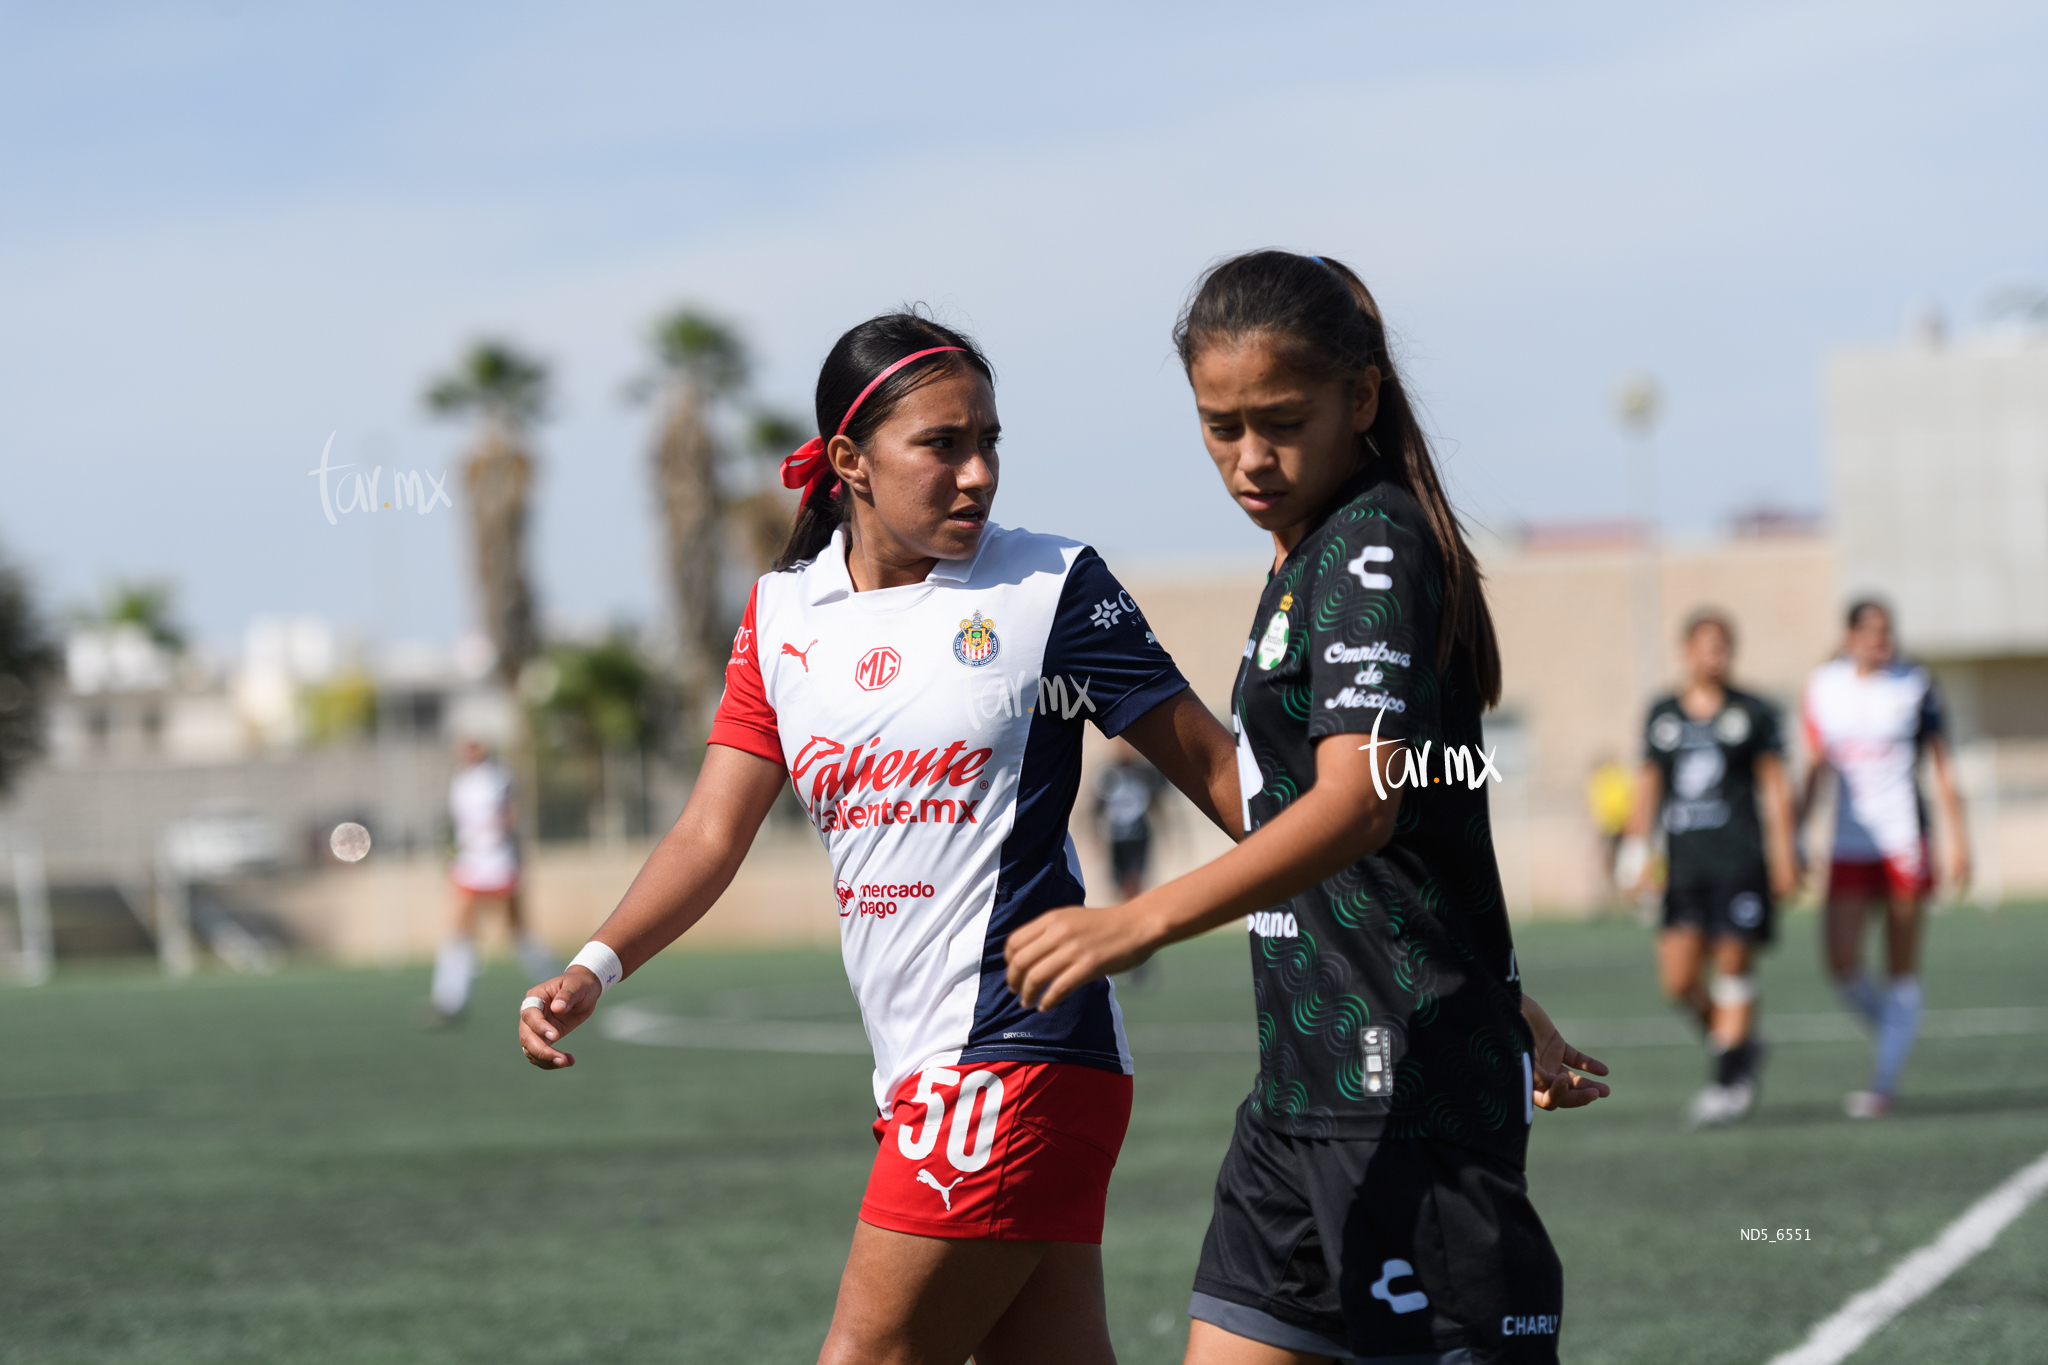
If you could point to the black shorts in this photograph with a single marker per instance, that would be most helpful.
(1127, 857)
(1392, 1250)
(1725, 907)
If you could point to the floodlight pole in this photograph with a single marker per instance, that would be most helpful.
(1637, 403)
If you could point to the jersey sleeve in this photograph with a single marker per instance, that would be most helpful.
(1375, 605)
(1809, 726)
(1766, 736)
(1102, 645)
(745, 720)
(1932, 722)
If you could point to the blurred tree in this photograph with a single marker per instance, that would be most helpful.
(596, 704)
(28, 660)
(343, 708)
(507, 393)
(148, 605)
(700, 364)
(765, 515)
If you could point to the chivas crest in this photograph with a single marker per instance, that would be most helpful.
(976, 643)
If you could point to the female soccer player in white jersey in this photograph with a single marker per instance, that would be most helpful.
(1868, 718)
(922, 675)
(1372, 1205)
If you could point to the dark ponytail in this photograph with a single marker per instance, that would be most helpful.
(1322, 318)
(852, 365)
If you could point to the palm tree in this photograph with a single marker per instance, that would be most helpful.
(701, 364)
(508, 393)
(764, 516)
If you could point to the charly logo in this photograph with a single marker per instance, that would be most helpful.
(1382, 1289)
(976, 644)
(1373, 554)
(355, 493)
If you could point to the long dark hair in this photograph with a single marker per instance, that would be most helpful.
(854, 361)
(1323, 319)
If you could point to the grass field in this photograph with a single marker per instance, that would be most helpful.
(290, 1169)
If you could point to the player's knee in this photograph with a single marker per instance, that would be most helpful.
(1733, 990)
(1681, 982)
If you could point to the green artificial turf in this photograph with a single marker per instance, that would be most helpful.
(291, 1168)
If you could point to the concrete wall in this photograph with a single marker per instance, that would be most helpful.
(391, 910)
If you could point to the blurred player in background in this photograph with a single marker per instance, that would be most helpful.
(486, 869)
(1610, 797)
(1868, 718)
(1126, 789)
(1711, 759)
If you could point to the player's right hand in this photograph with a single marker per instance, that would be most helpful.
(565, 1002)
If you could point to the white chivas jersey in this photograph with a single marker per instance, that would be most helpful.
(480, 805)
(1870, 729)
(933, 733)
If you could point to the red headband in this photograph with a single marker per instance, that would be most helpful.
(807, 465)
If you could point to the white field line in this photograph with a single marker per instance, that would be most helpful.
(1834, 1339)
(1658, 1030)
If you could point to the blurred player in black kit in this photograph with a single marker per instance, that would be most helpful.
(1712, 757)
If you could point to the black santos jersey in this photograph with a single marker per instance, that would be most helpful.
(1389, 1004)
(1709, 769)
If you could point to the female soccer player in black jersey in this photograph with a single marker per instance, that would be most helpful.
(1713, 778)
(1372, 1205)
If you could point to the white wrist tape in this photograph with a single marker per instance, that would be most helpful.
(1631, 860)
(602, 963)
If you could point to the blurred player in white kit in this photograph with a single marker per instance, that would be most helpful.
(1870, 717)
(486, 868)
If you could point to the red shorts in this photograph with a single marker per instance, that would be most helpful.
(1876, 881)
(999, 1151)
(480, 886)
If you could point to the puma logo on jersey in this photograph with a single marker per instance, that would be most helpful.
(1410, 1302)
(802, 656)
(925, 1177)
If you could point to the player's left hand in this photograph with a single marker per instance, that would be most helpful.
(1557, 1064)
(1063, 950)
(558, 1006)
(1958, 867)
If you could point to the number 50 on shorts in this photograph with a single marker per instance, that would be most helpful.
(984, 1086)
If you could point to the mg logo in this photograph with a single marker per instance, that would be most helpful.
(877, 668)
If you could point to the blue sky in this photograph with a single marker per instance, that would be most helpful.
(230, 231)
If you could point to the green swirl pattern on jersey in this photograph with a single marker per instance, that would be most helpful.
(1412, 940)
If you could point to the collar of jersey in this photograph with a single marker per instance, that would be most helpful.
(827, 579)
